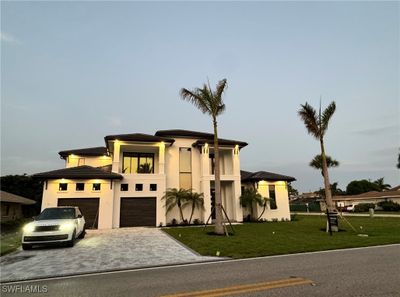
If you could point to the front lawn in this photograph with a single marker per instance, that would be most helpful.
(303, 235)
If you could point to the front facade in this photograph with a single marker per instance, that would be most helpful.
(123, 183)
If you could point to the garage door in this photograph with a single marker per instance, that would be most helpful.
(88, 206)
(137, 212)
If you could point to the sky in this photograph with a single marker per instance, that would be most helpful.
(73, 72)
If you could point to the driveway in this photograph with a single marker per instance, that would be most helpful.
(101, 250)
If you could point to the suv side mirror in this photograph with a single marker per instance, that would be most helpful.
(79, 216)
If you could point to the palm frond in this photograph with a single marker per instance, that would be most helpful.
(196, 99)
(309, 116)
(326, 116)
(221, 87)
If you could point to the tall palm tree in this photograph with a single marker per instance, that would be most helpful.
(316, 163)
(381, 184)
(175, 197)
(249, 197)
(317, 125)
(210, 102)
(197, 201)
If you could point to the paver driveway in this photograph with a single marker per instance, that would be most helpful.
(99, 251)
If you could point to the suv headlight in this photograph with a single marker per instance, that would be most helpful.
(67, 226)
(29, 228)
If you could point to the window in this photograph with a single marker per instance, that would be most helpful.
(80, 187)
(139, 187)
(272, 197)
(138, 163)
(153, 187)
(5, 209)
(63, 187)
(96, 187)
(124, 187)
(185, 168)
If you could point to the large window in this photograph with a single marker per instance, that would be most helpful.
(272, 197)
(185, 168)
(138, 163)
(212, 163)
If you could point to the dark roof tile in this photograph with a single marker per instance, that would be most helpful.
(90, 151)
(80, 172)
(264, 175)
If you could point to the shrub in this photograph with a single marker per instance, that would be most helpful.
(364, 207)
(389, 205)
(274, 220)
(174, 222)
(197, 222)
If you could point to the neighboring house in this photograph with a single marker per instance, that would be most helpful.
(369, 197)
(11, 206)
(272, 186)
(122, 184)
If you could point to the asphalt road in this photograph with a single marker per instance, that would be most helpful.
(373, 271)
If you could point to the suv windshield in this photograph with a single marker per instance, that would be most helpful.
(57, 214)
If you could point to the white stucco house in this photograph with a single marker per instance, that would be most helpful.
(122, 183)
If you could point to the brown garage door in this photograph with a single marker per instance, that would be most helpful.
(88, 206)
(137, 212)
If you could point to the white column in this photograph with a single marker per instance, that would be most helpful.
(205, 180)
(116, 156)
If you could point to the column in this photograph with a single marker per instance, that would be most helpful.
(161, 158)
(116, 156)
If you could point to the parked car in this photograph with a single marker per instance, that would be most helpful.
(54, 225)
(350, 207)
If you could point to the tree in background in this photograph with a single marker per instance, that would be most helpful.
(316, 163)
(381, 184)
(292, 191)
(25, 186)
(334, 190)
(210, 102)
(356, 187)
(317, 125)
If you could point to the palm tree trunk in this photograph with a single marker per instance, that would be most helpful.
(191, 215)
(328, 193)
(265, 206)
(219, 229)
(181, 212)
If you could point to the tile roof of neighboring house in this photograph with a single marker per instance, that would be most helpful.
(90, 151)
(8, 197)
(369, 195)
(395, 188)
(264, 175)
(106, 168)
(81, 172)
(140, 137)
(201, 136)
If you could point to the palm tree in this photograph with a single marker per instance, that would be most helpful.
(175, 197)
(197, 201)
(381, 184)
(317, 125)
(264, 205)
(249, 197)
(210, 102)
(316, 163)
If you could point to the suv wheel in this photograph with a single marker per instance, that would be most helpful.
(72, 241)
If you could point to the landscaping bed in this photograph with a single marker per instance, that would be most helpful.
(302, 235)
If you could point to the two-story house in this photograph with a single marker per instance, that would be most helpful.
(122, 184)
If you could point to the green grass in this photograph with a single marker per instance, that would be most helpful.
(11, 235)
(303, 235)
(10, 242)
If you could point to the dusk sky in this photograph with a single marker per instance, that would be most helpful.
(74, 72)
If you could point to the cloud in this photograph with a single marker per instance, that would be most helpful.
(391, 129)
(8, 38)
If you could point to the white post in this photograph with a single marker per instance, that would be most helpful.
(161, 158)
(116, 156)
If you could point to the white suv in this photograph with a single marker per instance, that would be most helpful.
(54, 225)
